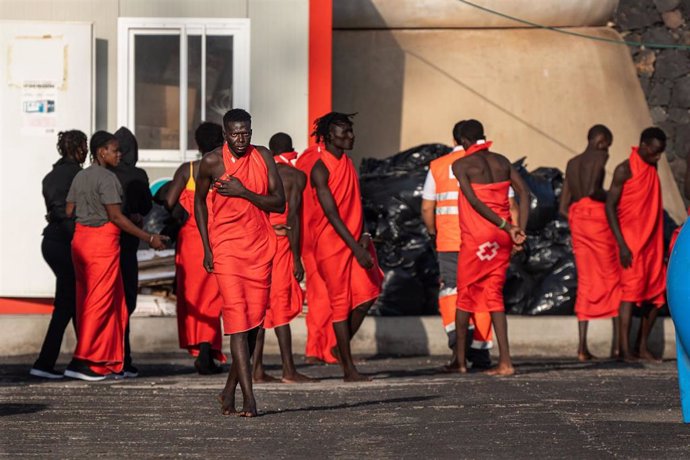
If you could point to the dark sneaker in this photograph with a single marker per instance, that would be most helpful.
(79, 370)
(51, 374)
(130, 372)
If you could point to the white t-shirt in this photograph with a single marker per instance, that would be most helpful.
(429, 190)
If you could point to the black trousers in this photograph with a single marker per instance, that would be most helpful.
(58, 255)
(130, 279)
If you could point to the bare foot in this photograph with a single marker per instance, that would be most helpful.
(249, 409)
(336, 354)
(648, 357)
(227, 404)
(453, 369)
(628, 358)
(615, 354)
(355, 376)
(502, 370)
(314, 360)
(297, 378)
(586, 356)
(264, 378)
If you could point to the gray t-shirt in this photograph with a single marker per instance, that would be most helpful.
(93, 188)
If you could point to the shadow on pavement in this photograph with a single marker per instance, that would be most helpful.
(353, 405)
(16, 409)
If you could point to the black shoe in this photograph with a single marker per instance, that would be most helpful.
(45, 373)
(79, 370)
(130, 372)
(480, 359)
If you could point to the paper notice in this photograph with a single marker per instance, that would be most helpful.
(39, 116)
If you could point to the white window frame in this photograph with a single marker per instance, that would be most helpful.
(128, 28)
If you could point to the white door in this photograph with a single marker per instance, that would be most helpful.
(46, 86)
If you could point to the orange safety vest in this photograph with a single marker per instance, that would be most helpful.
(447, 189)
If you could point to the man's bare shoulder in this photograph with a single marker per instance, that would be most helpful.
(622, 172)
(291, 173)
(500, 158)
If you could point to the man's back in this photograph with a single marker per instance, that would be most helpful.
(485, 167)
(584, 175)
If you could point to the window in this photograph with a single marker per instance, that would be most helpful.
(175, 73)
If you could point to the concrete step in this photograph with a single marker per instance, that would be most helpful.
(546, 336)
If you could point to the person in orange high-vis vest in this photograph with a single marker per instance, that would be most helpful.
(440, 214)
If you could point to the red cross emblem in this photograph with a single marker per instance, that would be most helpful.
(487, 251)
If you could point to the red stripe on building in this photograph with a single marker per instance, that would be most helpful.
(320, 58)
(25, 306)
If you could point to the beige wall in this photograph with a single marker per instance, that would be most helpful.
(279, 51)
(396, 14)
(537, 92)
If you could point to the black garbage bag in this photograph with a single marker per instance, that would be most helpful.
(410, 285)
(518, 289)
(543, 206)
(556, 293)
(160, 220)
(391, 197)
(543, 255)
(553, 176)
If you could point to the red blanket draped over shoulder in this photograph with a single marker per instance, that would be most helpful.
(640, 213)
(198, 297)
(101, 316)
(596, 260)
(320, 334)
(243, 245)
(286, 296)
(349, 285)
(484, 250)
(674, 236)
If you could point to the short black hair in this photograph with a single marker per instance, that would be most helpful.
(323, 125)
(652, 133)
(208, 136)
(472, 130)
(457, 130)
(98, 140)
(69, 142)
(236, 115)
(598, 130)
(280, 143)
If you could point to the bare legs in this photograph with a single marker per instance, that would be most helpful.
(649, 314)
(498, 319)
(242, 347)
(583, 353)
(259, 374)
(648, 317)
(344, 331)
(290, 374)
(625, 315)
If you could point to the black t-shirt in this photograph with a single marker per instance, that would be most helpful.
(56, 185)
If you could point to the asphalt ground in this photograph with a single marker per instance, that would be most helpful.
(551, 408)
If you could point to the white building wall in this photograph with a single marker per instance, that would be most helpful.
(279, 53)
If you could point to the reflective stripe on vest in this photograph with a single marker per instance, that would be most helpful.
(447, 190)
(447, 210)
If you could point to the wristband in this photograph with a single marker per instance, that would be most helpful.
(503, 225)
(151, 239)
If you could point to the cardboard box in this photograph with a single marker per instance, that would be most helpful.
(159, 105)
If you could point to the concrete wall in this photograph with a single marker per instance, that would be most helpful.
(279, 52)
(396, 14)
(536, 91)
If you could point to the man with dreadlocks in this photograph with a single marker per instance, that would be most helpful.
(344, 255)
(239, 242)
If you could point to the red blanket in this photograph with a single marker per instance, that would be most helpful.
(640, 213)
(101, 311)
(596, 260)
(243, 244)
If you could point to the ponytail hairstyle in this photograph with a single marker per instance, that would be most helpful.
(98, 140)
(69, 143)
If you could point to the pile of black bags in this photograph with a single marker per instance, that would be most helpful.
(541, 280)
(392, 199)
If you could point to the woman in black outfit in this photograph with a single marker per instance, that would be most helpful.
(56, 247)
